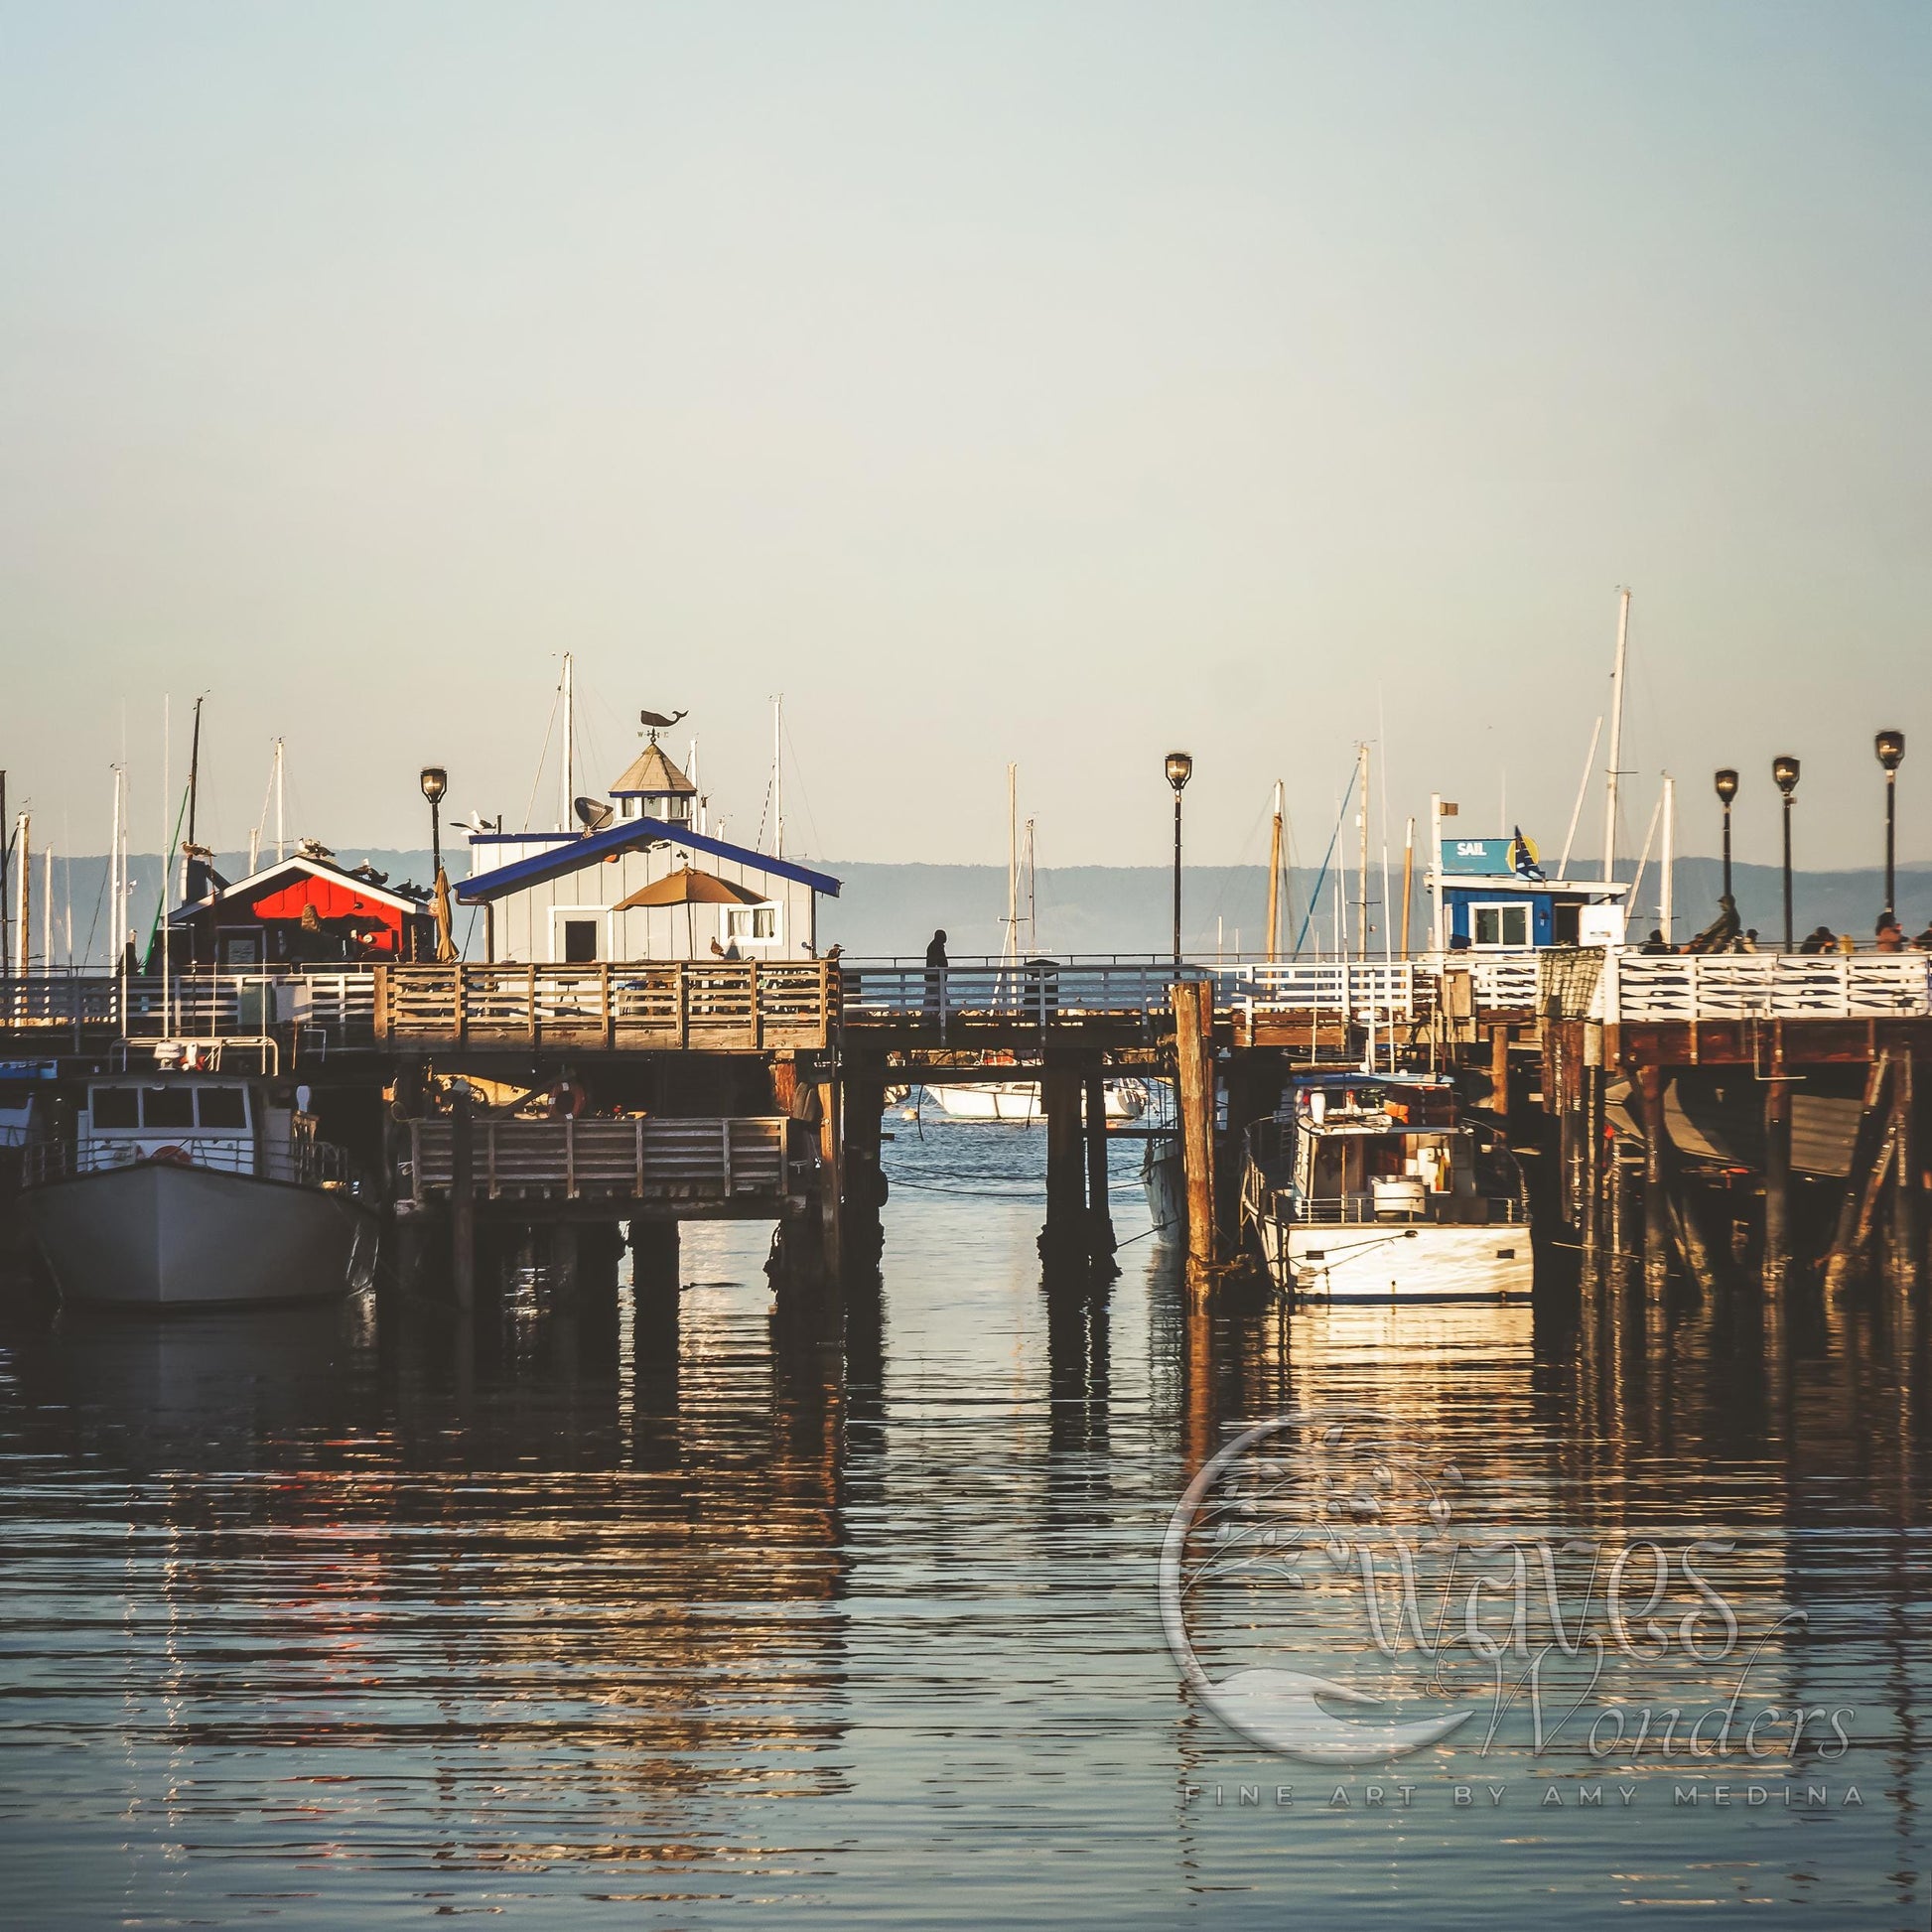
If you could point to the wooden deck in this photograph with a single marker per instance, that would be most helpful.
(726, 1006)
(704, 1169)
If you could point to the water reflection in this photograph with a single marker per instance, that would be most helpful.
(720, 1600)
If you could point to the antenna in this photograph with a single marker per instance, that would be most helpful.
(570, 737)
(778, 777)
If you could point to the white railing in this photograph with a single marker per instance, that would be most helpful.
(1038, 993)
(1665, 987)
(1388, 989)
(335, 1009)
(305, 1162)
(1502, 979)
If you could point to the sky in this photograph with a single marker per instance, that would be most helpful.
(1050, 384)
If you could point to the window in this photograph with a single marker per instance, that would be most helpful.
(580, 942)
(1501, 925)
(240, 948)
(754, 925)
(117, 1107)
(222, 1107)
(168, 1107)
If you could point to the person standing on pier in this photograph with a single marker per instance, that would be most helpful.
(935, 976)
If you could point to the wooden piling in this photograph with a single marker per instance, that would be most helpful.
(1777, 1185)
(1656, 1195)
(462, 1201)
(1064, 1237)
(831, 1163)
(1500, 1071)
(1908, 1228)
(1100, 1219)
(654, 1259)
(1193, 1046)
(1592, 1168)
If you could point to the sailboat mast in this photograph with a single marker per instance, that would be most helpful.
(281, 822)
(161, 912)
(570, 748)
(1012, 947)
(1274, 882)
(1362, 923)
(778, 777)
(1664, 907)
(194, 788)
(1617, 737)
(1408, 878)
(26, 906)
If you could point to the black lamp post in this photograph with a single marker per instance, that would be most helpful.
(1891, 747)
(1727, 790)
(435, 782)
(1784, 770)
(1180, 768)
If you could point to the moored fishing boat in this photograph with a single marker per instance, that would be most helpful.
(1371, 1187)
(1017, 1103)
(191, 1190)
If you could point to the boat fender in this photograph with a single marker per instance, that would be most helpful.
(171, 1156)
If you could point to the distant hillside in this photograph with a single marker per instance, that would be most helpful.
(885, 910)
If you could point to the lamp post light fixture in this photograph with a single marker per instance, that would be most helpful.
(1180, 768)
(1784, 770)
(1727, 782)
(1890, 747)
(435, 782)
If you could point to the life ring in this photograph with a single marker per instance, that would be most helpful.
(171, 1156)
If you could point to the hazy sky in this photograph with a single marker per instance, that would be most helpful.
(1049, 383)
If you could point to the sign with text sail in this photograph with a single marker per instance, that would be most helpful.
(1487, 857)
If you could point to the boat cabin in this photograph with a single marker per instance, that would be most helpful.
(640, 881)
(1377, 1149)
(207, 1120)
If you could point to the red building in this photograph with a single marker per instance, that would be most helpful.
(301, 909)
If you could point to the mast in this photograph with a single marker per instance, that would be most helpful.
(1408, 878)
(194, 788)
(26, 906)
(778, 777)
(570, 750)
(1274, 882)
(47, 910)
(6, 853)
(1617, 737)
(1033, 896)
(1361, 880)
(160, 915)
(1664, 907)
(1010, 951)
(281, 822)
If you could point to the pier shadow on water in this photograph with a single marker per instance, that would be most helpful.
(612, 1607)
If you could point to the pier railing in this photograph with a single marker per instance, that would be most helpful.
(733, 1162)
(1390, 989)
(1664, 987)
(721, 1007)
(1036, 994)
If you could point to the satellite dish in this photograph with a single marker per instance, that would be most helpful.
(658, 721)
(593, 816)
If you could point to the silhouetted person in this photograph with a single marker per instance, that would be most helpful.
(1721, 935)
(935, 975)
(1819, 939)
(1656, 942)
(1892, 936)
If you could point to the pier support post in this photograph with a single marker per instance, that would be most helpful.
(654, 1259)
(1193, 1048)
(1100, 1219)
(1064, 1237)
(1656, 1185)
(1908, 1228)
(1499, 1073)
(862, 1106)
(1777, 1185)
(462, 1201)
(1591, 1157)
(831, 1161)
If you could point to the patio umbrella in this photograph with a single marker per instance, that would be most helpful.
(438, 905)
(687, 888)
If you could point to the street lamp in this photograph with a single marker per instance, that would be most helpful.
(1784, 770)
(435, 782)
(1727, 790)
(1180, 768)
(1891, 747)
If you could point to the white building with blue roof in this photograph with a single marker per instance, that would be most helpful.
(560, 898)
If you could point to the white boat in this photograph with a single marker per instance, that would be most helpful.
(1017, 1103)
(1370, 1187)
(195, 1190)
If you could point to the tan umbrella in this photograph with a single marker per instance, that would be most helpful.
(688, 888)
(439, 904)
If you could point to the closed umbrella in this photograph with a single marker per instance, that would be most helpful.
(687, 888)
(439, 904)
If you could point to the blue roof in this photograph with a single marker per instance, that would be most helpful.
(595, 846)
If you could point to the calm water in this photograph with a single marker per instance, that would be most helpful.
(320, 1619)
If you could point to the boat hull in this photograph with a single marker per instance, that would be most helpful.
(160, 1237)
(1017, 1103)
(1396, 1261)
(1164, 1176)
